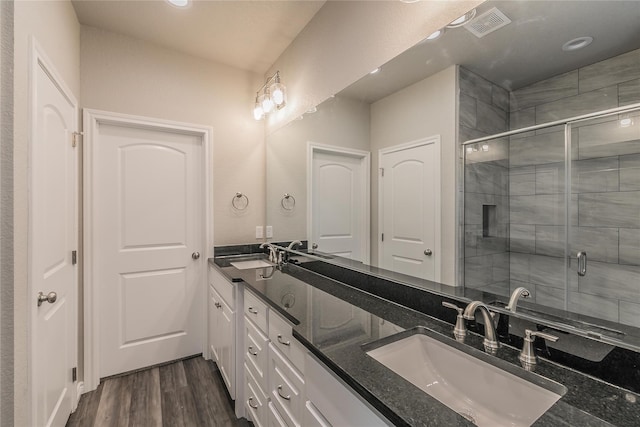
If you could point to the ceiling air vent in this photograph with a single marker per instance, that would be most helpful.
(487, 23)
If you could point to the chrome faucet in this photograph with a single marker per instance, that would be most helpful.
(515, 296)
(490, 342)
(294, 243)
(273, 253)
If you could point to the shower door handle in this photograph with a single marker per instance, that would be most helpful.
(582, 263)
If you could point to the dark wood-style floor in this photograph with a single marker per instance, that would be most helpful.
(184, 393)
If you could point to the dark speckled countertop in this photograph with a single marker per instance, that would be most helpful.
(298, 294)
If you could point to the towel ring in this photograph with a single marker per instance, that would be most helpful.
(288, 202)
(240, 201)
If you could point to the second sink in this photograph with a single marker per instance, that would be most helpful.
(487, 392)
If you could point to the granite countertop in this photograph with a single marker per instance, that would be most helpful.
(303, 297)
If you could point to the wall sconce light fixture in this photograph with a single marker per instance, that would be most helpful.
(272, 94)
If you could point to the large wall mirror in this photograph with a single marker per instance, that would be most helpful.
(377, 177)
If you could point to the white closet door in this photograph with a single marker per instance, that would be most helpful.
(410, 205)
(148, 215)
(338, 194)
(53, 237)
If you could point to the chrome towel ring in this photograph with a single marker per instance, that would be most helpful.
(240, 201)
(288, 202)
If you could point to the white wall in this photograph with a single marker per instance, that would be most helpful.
(6, 213)
(347, 39)
(55, 26)
(131, 76)
(421, 110)
(339, 121)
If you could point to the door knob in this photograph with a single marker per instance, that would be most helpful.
(428, 252)
(195, 255)
(314, 246)
(51, 297)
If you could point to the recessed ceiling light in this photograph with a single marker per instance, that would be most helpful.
(435, 35)
(179, 3)
(312, 110)
(626, 122)
(459, 22)
(577, 43)
(375, 71)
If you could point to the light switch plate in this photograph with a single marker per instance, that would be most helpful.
(258, 232)
(269, 231)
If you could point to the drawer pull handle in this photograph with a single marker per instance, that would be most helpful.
(252, 310)
(283, 342)
(287, 397)
(249, 402)
(251, 352)
(218, 305)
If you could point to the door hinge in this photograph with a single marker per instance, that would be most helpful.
(381, 171)
(74, 375)
(74, 257)
(74, 138)
(383, 237)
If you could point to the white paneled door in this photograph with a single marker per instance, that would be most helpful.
(339, 202)
(53, 238)
(147, 208)
(410, 209)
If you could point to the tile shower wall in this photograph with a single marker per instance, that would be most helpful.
(605, 193)
(484, 110)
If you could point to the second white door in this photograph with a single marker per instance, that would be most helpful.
(147, 207)
(410, 209)
(339, 209)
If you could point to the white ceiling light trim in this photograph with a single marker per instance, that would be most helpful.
(180, 3)
(577, 43)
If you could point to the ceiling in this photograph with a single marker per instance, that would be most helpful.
(250, 35)
(523, 52)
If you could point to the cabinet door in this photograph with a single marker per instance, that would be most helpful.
(222, 338)
(226, 335)
(214, 319)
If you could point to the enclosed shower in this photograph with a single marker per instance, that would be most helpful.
(556, 208)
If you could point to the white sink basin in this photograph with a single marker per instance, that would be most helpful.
(254, 263)
(479, 391)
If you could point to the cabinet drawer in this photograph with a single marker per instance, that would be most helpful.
(255, 400)
(281, 336)
(335, 401)
(255, 310)
(286, 388)
(275, 419)
(223, 286)
(256, 353)
(312, 417)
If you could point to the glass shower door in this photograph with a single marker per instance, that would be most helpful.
(604, 237)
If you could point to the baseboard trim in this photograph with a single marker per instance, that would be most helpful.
(79, 392)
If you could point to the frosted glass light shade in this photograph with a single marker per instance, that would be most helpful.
(278, 94)
(258, 113)
(266, 102)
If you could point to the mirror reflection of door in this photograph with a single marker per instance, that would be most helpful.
(409, 205)
(339, 210)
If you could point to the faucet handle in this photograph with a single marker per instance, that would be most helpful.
(528, 356)
(453, 306)
(460, 330)
(529, 334)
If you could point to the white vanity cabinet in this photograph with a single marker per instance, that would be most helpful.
(280, 383)
(222, 327)
(332, 403)
(256, 359)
